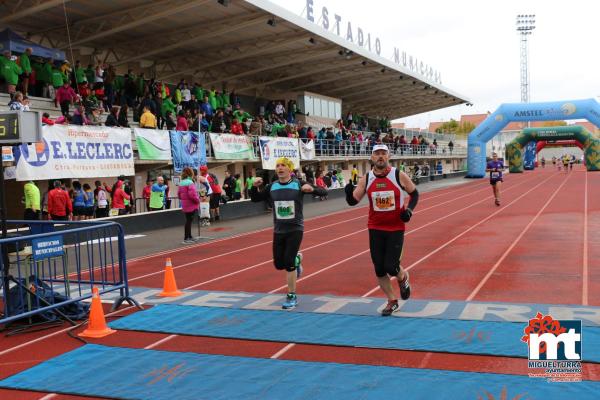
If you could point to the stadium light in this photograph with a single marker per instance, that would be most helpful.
(272, 22)
(525, 26)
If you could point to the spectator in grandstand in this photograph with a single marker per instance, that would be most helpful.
(65, 96)
(59, 203)
(189, 200)
(170, 121)
(46, 120)
(10, 71)
(32, 201)
(450, 146)
(122, 117)
(147, 120)
(182, 123)
(414, 143)
(16, 104)
(207, 108)
(93, 117)
(236, 127)
(99, 73)
(113, 117)
(279, 110)
(25, 63)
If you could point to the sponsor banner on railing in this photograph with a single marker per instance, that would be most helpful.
(307, 150)
(188, 149)
(232, 147)
(153, 144)
(7, 154)
(76, 152)
(271, 148)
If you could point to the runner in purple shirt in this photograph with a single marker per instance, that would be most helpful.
(495, 167)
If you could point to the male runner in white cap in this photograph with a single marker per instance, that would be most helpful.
(386, 188)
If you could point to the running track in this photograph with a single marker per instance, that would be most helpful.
(541, 246)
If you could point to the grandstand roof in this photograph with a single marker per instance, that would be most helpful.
(253, 46)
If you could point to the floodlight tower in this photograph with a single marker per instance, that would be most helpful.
(525, 26)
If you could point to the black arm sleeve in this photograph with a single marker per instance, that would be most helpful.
(414, 199)
(257, 196)
(349, 189)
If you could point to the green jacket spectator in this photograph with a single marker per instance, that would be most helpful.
(167, 105)
(241, 114)
(32, 196)
(90, 74)
(46, 73)
(25, 63)
(178, 96)
(80, 76)
(199, 92)
(11, 72)
(225, 99)
(58, 78)
(212, 99)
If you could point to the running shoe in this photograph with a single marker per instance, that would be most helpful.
(291, 301)
(392, 305)
(188, 241)
(404, 287)
(298, 264)
(497, 202)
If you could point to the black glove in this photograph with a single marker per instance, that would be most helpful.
(349, 189)
(405, 215)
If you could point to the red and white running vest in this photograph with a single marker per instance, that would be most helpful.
(386, 202)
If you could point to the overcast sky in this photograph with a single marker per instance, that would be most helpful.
(475, 46)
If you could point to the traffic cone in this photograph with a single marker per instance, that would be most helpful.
(97, 323)
(170, 286)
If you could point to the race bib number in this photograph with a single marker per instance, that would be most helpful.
(285, 209)
(384, 200)
(495, 175)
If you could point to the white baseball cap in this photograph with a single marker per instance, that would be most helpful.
(380, 147)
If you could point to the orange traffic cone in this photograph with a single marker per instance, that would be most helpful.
(170, 286)
(97, 324)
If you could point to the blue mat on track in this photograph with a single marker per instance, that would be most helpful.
(452, 336)
(125, 373)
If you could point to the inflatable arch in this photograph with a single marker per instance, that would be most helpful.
(575, 109)
(590, 145)
(556, 143)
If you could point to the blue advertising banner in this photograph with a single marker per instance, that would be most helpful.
(188, 149)
(51, 246)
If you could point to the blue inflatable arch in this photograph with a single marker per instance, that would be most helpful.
(508, 112)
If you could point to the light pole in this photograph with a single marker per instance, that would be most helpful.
(525, 26)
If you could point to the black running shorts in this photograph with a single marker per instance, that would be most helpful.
(285, 248)
(386, 251)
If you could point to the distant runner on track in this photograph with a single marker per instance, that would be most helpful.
(286, 196)
(495, 167)
(386, 186)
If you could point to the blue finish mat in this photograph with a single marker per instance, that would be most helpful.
(124, 373)
(452, 336)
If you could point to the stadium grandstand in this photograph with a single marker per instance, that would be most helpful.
(222, 67)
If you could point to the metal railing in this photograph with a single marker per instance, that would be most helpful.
(47, 266)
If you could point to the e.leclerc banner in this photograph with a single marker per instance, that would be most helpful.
(72, 151)
(271, 148)
(153, 144)
(232, 147)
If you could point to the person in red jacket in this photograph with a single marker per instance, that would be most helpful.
(236, 127)
(118, 198)
(182, 124)
(59, 203)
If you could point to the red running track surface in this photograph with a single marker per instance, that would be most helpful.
(542, 245)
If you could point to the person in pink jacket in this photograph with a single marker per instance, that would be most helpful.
(119, 196)
(188, 197)
(65, 96)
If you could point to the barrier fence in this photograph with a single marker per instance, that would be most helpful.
(48, 267)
